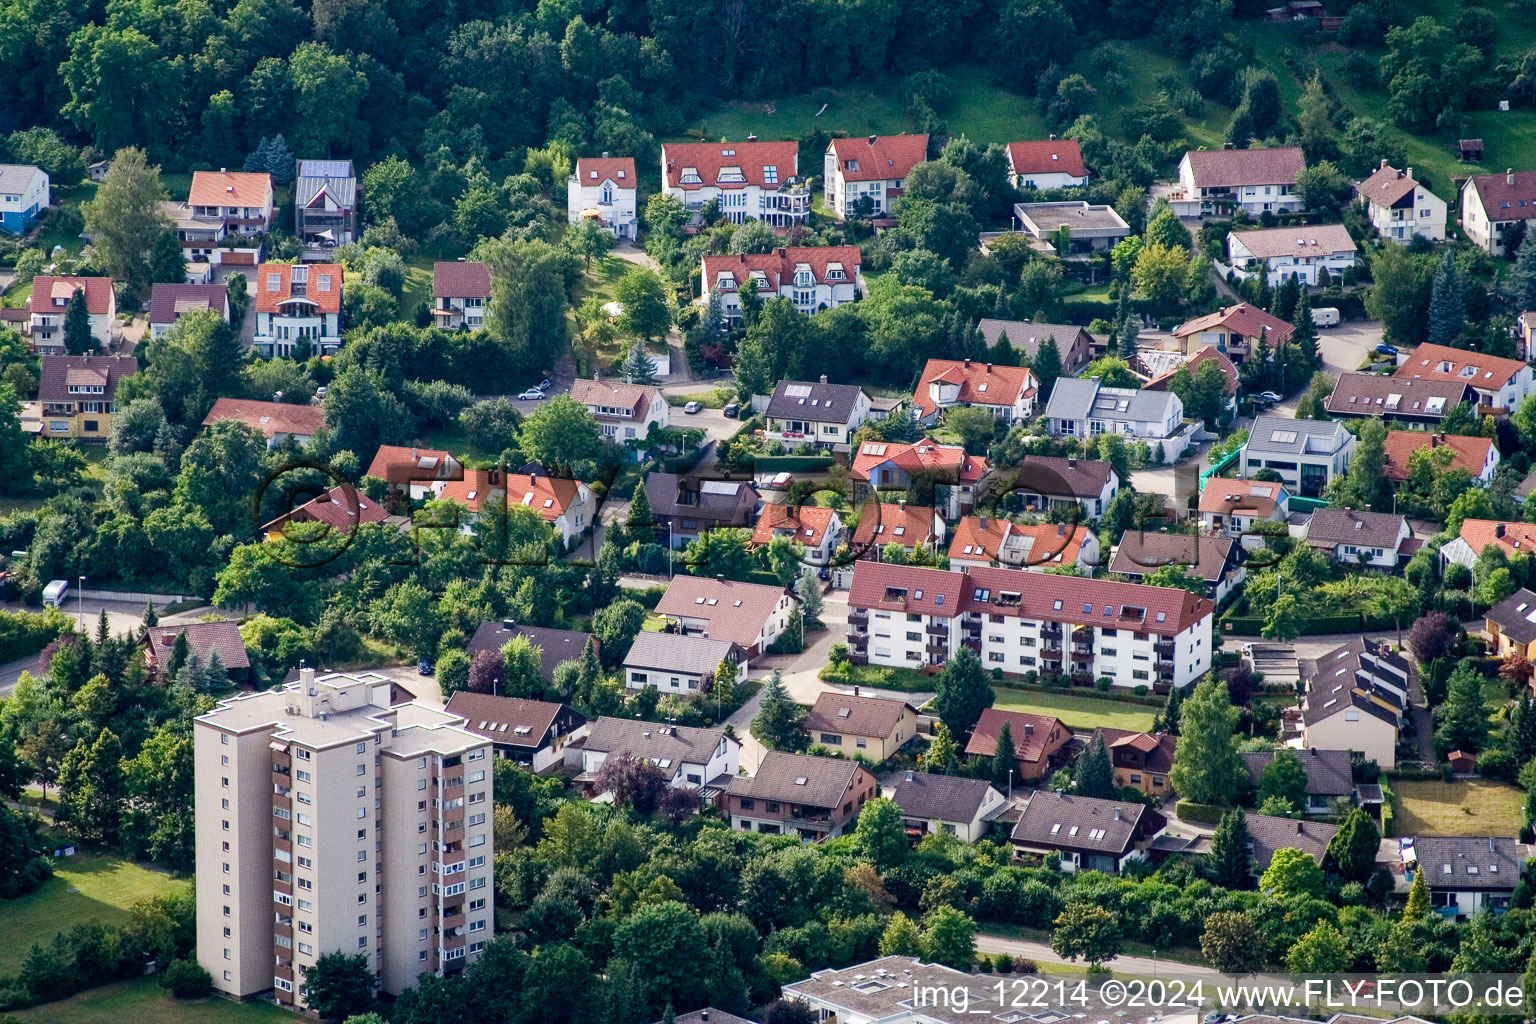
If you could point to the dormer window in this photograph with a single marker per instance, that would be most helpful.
(731, 176)
(851, 165)
(835, 272)
(690, 176)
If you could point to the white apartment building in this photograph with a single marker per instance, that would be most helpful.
(814, 278)
(749, 180)
(1136, 635)
(1494, 205)
(1256, 180)
(604, 189)
(1299, 252)
(328, 821)
(1400, 208)
(297, 303)
(224, 219)
(874, 168)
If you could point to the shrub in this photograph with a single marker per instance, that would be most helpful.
(1025, 966)
(187, 979)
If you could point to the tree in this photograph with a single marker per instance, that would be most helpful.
(523, 675)
(1231, 943)
(751, 236)
(1462, 721)
(44, 751)
(662, 940)
(559, 433)
(1160, 276)
(1005, 759)
(1086, 930)
(881, 835)
(1417, 908)
(962, 693)
(901, 937)
(777, 723)
(1292, 873)
(644, 299)
(1395, 297)
(1352, 850)
(1047, 366)
(616, 627)
(528, 306)
(949, 938)
(808, 589)
(125, 218)
(91, 786)
(340, 986)
(1093, 775)
(1169, 715)
(1322, 187)
(588, 240)
(639, 367)
(78, 340)
(1207, 767)
(167, 260)
(634, 782)
(1285, 778)
(1521, 287)
(1432, 637)
(943, 756)
(1231, 860)
(1283, 620)
(1164, 228)
(974, 425)
(1323, 950)
(1447, 310)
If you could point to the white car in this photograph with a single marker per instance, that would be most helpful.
(692, 407)
(1268, 396)
(531, 395)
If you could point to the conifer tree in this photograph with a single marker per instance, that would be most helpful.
(1047, 366)
(1447, 310)
(639, 367)
(1005, 759)
(1230, 860)
(1093, 775)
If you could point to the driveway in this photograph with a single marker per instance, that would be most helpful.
(122, 617)
(1346, 346)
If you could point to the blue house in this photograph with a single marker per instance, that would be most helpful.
(23, 197)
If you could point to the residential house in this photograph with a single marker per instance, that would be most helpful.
(1478, 457)
(1369, 540)
(1400, 208)
(626, 412)
(910, 527)
(1081, 407)
(1048, 482)
(1497, 207)
(1502, 384)
(855, 725)
(555, 646)
(892, 466)
(276, 421)
(906, 616)
(461, 291)
(49, 302)
(76, 395)
(297, 304)
(1466, 874)
(1302, 252)
(342, 508)
(982, 541)
(566, 505)
(826, 415)
(1037, 740)
(533, 733)
(170, 302)
(1170, 363)
(701, 759)
(1268, 834)
(884, 990)
(867, 174)
(1415, 403)
(677, 663)
(814, 278)
(815, 529)
(1235, 331)
(1370, 664)
(1054, 163)
(1510, 626)
(800, 794)
(24, 195)
(1231, 507)
(1306, 453)
(1138, 760)
(1223, 180)
(685, 507)
(1007, 392)
(203, 638)
(325, 204)
(419, 473)
(1356, 700)
(1086, 833)
(1329, 776)
(1525, 336)
(225, 217)
(947, 803)
(715, 1015)
(605, 189)
(1089, 227)
(1218, 560)
(748, 180)
(1476, 534)
(749, 615)
(1074, 343)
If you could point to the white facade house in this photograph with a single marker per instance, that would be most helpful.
(1007, 392)
(874, 169)
(676, 663)
(24, 195)
(687, 756)
(948, 803)
(813, 278)
(604, 189)
(1501, 384)
(1299, 252)
(1306, 453)
(1255, 180)
(749, 180)
(815, 412)
(1401, 209)
(1371, 540)
(1493, 206)
(1466, 874)
(1054, 163)
(1084, 407)
(750, 615)
(49, 303)
(626, 412)
(297, 303)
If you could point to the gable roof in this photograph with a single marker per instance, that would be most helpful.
(814, 400)
(778, 267)
(513, 721)
(1515, 616)
(1076, 398)
(950, 798)
(18, 177)
(1364, 661)
(1226, 168)
(1065, 821)
(1158, 749)
(461, 281)
(1330, 527)
(921, 456)
(654, 742)
(885, 523)
(549, 496)
(555, 645)
(57, 371)
(1206, 557)
(980, 538)
(1243, 319)
(1028, 336)
(1271, 833)
(734, 611)
(807, 524)
(1029, 733)
(168, 301)
(1513, 538)
(594, 170)
(1369, 394)
(1386, 185)
(1055, 476)
(855, 715)
(921, 591)
(708, 158)
(343, 508)
(1207, 353)
(1308, 240)
(1441, 362)
(799, 779)
(271, 418)
(202, 639)
(1328, 771)
(879, 157)
(677, 652)
(335, 177)
(46, 289)
(397, 464)
(1271, 433)
(1052, 156)
(980, 383)
(637, 399)
(1508, 196)
(717, 500)
(1469, 453)
(273, 286)
(230, 188)
(1469, 862)
(1242, 497)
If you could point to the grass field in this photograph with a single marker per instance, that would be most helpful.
(1078, 712)
(86, 887)
(143, 1001)
(1466, 807)
(418, 284)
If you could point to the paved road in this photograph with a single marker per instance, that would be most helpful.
(122, 617)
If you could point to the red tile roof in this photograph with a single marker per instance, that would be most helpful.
(1031, 734)
(341, 508)
(1513, 538)
(594, 170)
(98, 293)
(202, 639)
(708, 158)
(59, 372)
(1471, 453)
(461, 281)
(925, 455)
(780, 264)
(270, 418)
(1244, 319)
(1053, 156)
(550, 497)
(879, 157)
(1386, 185)
(888, 523)
(1042, 545)
(807, 524)
(615, 394)
(1507, 196)
(1225, 168)
(1441, 362)
(980, 383)
(273, 286)
(1240, 497)
(396, 464)
(230, 188)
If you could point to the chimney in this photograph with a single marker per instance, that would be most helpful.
(1436, 440)
(1029, 728)
(1407, 172)
(719, 577)
(967, 364)
(903, 504)
(1383, 163)
(1298, 826)
(989, 367)
(1509, 176)
(1490, 844)
(983, 521)
(1117, 814)
(855, 691)
(1061, 529)
(509, 624)
(223, 170)
(872, 139)
(909, 775)
(605, 155)
(751, 138)
(1053, 136)
(1071, 463)
(823, 378)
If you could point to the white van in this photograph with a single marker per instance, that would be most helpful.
(1325, 316)
(53, 593)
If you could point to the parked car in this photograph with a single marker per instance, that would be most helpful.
(320, 393)
(545, 384)
(731, 410)
(780, 482)
(1267, 396)
(1386, 350)
(531, 395)
(692, 407)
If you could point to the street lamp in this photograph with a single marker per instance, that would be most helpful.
(1010, 783)
(80, 603)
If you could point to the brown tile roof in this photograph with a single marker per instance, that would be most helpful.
(800, 779)
(1270, 834)
(1441, 362)
(53, 385)
(980, 383)
(1307, 240)
(46, 290)
(615, 394)
(509, 720)
(1158, 748)
(734, 611)
(461, 281)
(1386, 185)
(555, 645)
(273, 286)
(1240, 497)
(1330, 527)
(1225, 168)
(779, 265)
(855, 716)
(949, 798)
(594, 170)
(1043, 544)
(710, 157)
(202, 638)
(168, 301)
(1053, 156)
(1369, 394)
(653, 741)
(1063, 821)
(230, 188)
(1328, 771)
(1205, 556)
(1057, 477)
(1506, 196)
(907, 588)
(1243, 319)
(270, 418)
(806, 524)
(879, 157)
(925, 455)
(1031, 734)
(882, 523)
(1029, 335)
(1471, 453)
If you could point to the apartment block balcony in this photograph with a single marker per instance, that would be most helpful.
(1165, 649)
(936, 629)
(858, 617)
(1082, 634)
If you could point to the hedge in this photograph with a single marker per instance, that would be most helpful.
(24, 633)
(1210, 814)
(1253, 625)
(763, 465)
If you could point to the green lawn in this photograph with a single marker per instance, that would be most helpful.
(453, 440)
(143, 1001)
(1075, 710)
(1465, 807)
(418, 284)
(86, 887)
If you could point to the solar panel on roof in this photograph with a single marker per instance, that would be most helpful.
(797, 390)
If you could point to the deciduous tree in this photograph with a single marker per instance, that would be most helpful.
(1207, 768)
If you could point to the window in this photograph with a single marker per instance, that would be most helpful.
(362, 769)
(302, 755)
(304, 819)
(303, 776)
(362, 856)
